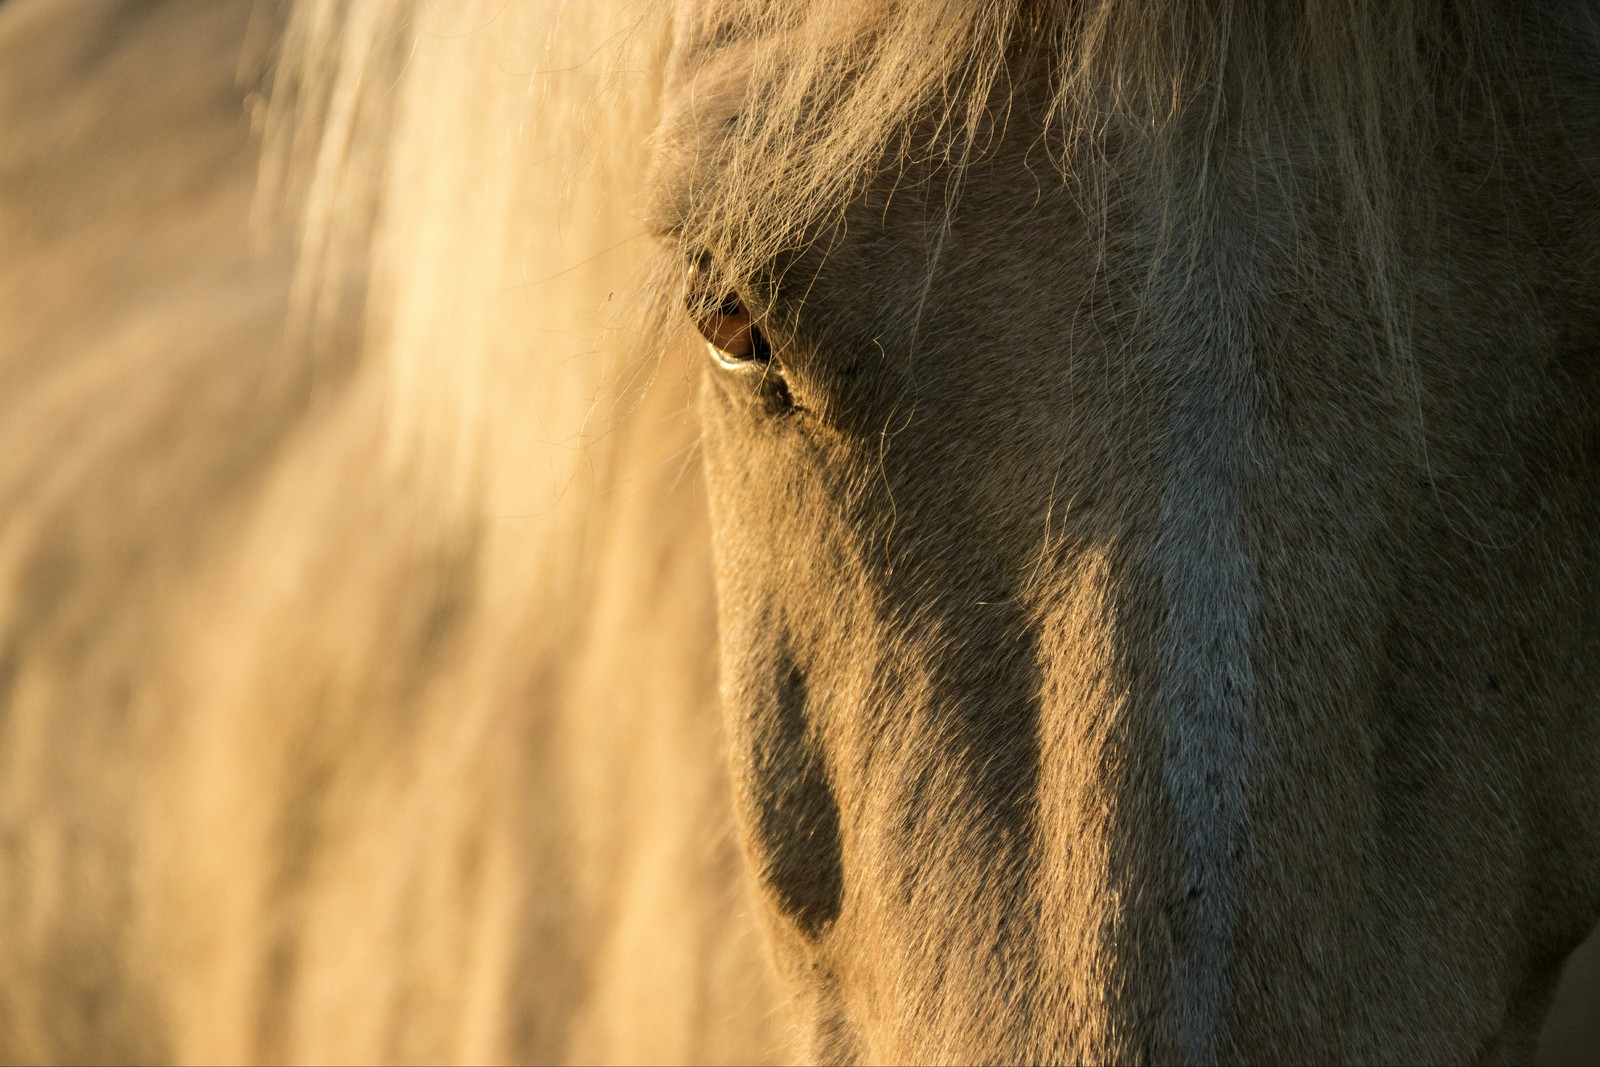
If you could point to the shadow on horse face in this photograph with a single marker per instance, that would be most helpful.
(1132, 651)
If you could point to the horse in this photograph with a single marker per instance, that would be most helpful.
(742, 531)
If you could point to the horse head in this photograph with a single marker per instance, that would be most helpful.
(1151, 463)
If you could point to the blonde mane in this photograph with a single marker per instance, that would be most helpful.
(480, 157)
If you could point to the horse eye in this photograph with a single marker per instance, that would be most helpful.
(735, 340)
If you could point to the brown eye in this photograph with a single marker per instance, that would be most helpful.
(726, 324)
(733, 337)
(728, 329)
(740, 349)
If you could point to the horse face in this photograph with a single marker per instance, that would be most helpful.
(1131, 648)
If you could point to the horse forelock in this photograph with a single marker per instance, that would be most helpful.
(829, 95)
(499, 147)
(394, 109)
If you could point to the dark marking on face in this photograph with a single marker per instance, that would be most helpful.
(795, 814)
